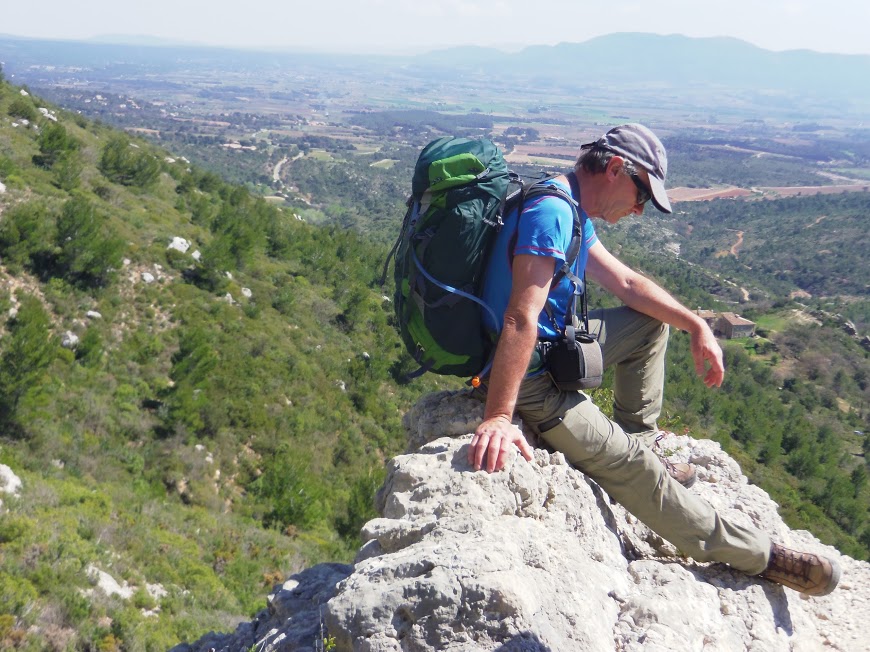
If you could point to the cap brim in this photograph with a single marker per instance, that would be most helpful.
(659, 194)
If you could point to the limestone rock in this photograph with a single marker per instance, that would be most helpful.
(108, 584)
(9, 482)
(537, 558)
(69, 340)
(46, 113)
(179, 244)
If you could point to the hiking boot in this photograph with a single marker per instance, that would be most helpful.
(680, 471)
(804, 572)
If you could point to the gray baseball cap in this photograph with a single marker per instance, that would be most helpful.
(643, 148)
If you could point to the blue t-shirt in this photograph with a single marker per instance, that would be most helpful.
(545, 229)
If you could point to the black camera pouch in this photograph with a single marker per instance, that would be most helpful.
(575, 361)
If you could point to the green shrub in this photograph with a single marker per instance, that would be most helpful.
(27, 235)
(27, 351)
(7, 166)
(54, 141)
(121, 163)
(22, 108)
(293, 495)
(67, 171)
(14, 528)
(89, 249)
(17, 595)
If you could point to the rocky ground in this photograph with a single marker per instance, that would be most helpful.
(537, 558)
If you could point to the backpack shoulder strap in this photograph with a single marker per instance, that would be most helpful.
(539, 188)
(575, 248)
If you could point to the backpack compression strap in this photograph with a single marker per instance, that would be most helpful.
(575, 248)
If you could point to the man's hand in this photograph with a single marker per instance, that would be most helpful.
(494, 441)
(705, 349)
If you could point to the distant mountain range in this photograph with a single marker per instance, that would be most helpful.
(672, 61)
(622, 61)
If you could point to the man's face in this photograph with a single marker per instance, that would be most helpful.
(629, 193)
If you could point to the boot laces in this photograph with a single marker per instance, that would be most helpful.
(792, 563)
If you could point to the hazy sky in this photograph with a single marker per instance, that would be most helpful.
(413, 25)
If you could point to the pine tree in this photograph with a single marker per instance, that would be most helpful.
(89, 251)
(27, 351)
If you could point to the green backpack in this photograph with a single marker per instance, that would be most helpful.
(460, 190)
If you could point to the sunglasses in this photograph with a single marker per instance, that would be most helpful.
(643, 193)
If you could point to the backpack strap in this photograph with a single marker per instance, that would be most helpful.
(575, 248)
(584, 306)
(410, 204)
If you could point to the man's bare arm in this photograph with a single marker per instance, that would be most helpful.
(494, 438)
(644, 295)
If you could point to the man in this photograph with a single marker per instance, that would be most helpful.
(613, 178)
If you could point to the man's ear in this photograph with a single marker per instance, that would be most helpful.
(614, 166)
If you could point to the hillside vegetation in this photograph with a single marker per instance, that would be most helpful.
(224, 417)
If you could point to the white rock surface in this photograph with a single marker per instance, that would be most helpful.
(69, 340)
(537, 558)
(179, 244)
(9, 482)
(148, 277)
(108, 584)
(156, 591)
(48, 114)
(246, 292)
(2, 188)
(93, 314)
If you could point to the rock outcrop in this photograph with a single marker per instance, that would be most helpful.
(537, 558)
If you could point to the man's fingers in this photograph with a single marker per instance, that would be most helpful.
(490, 451)
(525, 449)
(503, 453)
(493, 457)
(480, 451)
(714, 377)
(472, 448)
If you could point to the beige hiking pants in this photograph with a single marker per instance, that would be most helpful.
(619, 462)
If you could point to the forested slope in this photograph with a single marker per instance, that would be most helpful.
(224, 416)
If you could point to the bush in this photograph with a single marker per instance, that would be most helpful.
(27, 351)
(16, 594)
(27, 237)
(67, 171)
(121, 163)
(292, 493)
(89, 250)
(22, 108)
(54, 141)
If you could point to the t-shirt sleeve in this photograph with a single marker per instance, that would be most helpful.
(589, 235)
(545, 228)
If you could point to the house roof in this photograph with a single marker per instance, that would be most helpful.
(736, 320)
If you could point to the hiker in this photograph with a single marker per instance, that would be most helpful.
(614, 177)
